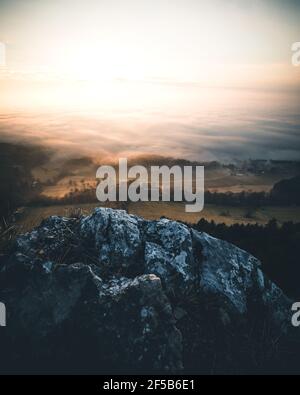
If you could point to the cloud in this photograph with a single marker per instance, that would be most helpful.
(273, 136)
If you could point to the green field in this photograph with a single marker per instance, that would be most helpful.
(32, 216)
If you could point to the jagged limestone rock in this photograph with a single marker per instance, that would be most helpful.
(114, 292)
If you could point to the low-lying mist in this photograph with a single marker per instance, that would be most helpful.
(182, 121)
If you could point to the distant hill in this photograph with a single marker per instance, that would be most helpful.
(287, 191)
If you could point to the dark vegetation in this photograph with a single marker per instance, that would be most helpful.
(285, 193)
(88, 195)
(17, 185)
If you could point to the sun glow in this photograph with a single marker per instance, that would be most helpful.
(139, 75)
(96, 62)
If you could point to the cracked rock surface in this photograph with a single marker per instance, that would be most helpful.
(112, 292)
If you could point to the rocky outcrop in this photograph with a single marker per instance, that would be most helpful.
(112, 292)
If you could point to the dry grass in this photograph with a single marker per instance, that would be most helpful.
(33, 216)
(219, 214)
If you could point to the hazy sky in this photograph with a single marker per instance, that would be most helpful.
(215, 72)
(181, 39)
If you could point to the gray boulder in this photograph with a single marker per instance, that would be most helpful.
(112, 292)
